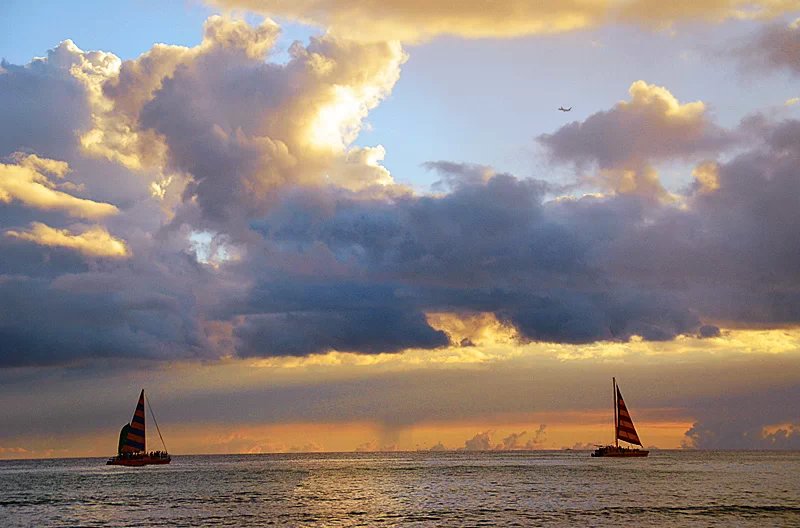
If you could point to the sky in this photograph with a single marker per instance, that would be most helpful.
(354, 225)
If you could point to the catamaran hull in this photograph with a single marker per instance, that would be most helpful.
(620, 453)
(137, 462)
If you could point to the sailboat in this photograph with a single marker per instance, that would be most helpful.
(623, 430)
(132, 448)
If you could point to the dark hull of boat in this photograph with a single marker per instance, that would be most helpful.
(619, 452)
(137, 461)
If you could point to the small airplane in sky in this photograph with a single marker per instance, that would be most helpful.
(564, 109)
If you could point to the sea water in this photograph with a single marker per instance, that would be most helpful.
(537, 488)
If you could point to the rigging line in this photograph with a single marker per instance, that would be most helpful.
(156, 422)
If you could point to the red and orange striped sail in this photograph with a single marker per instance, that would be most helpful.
(135, 440)
(625, 429)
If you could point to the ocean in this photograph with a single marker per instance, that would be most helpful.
(538, 488)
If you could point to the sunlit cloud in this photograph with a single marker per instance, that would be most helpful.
(92, 242)
(415, 21)
(706, 175)
(27, 180)
(625, 141)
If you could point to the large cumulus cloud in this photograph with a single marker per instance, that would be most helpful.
(239, 128)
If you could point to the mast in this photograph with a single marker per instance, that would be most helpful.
(616, 419)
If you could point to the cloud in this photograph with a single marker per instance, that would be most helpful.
(567, 270)
(653, 12)
(454, 175)
(248, 127)
(488, 247)
(370, 447)
(43, 105)
(118, 94)
(437, 447)
(730, 435)
(186, 140)
(242, 441)
(706, 177)
(624, 141)
(399, 19)
(774, 47)
(14, 452)
(93, 242)
(514, 441)
(539, 436)
(215, 125)
(97, 315)
(707, 331)
(479, 442)
(754, 421)
(27, 181)
(301, 333)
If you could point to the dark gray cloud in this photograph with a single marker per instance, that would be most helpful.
(302, 315)
(57, 305)
(706, 331)
(18, 258)
(488, 246)
(382, 329)
(91, 314)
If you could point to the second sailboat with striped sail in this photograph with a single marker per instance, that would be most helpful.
(623, 430)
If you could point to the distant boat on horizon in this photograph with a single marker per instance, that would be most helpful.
(623, 430)
(132, 448)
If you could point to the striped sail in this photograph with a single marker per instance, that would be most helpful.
(625, 429)
(134, 441)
